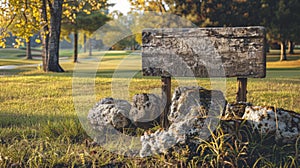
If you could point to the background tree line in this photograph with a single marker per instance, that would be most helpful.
(24, 18)
(54, 19)
(281, 17)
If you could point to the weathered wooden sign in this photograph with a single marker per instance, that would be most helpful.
(204, 52)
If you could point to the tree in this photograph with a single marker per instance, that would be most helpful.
(189, 9)
(90, 23)
(76, 12)
(149, 5)
(50, 24)
(207, 12)
(21, 18)
(291, 47)
(45, 35)
(54, 36)
(231, 12)
(118, 33)
(281, 18)
(282, 21)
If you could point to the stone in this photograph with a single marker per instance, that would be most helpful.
(157, 142)
(235, 110)
(110, 112)
(195, 102)
(283, 124)
(145, 110)
(188, 113)
(192, 109)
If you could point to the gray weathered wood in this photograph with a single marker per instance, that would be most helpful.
(241, 95)
(204, 52)
(166, 95)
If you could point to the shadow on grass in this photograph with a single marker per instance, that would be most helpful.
(33, 55)
(8, 120)
(275, 57)
(283, 73)
(12, 72)
(16, 126)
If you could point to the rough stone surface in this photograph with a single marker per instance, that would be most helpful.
(204, 52)
(187, 127)
(110, 112)
(146, 109)
(189, 109)
(194, 101)
(236, 110)
(285, 125)
(178, 133)
(143, 113)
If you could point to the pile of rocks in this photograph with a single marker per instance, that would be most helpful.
(188, 115)
(120, 114)
(194, 112)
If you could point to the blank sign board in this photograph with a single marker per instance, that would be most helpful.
(204, 52)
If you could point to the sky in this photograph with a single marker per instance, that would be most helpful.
(120, 5)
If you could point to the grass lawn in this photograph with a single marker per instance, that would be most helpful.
(39, 126)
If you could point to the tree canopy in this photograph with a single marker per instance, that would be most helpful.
(281, 18)
(26, 17)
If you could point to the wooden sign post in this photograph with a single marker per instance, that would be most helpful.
(241, 95)
(205, 53)
(166, 93)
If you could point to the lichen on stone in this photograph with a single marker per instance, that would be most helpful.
(191, 112)
(279, 122)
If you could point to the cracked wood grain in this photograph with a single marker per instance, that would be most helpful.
(204, 52)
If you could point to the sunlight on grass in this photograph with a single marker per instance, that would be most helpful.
(284, 64)
(40, 127)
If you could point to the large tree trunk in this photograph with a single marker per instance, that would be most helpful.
(84, 43)
(45, 36)
(291, 47)
(75, 46)
(28, 49)
(283, 51)
(54, 36)
(91, 47)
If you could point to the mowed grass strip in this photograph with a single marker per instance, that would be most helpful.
(39, 126)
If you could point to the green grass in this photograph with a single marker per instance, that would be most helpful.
(39, 126)
(275, 58)
(12, 53)
(40, 110)
(66, 53)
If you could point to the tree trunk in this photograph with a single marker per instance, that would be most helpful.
(91, 47)
(76, 46)
(291, 47)
(283, 51)
(45, 36)
(54, 36)
(84, 43)
(267, 47)
(28, 49)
